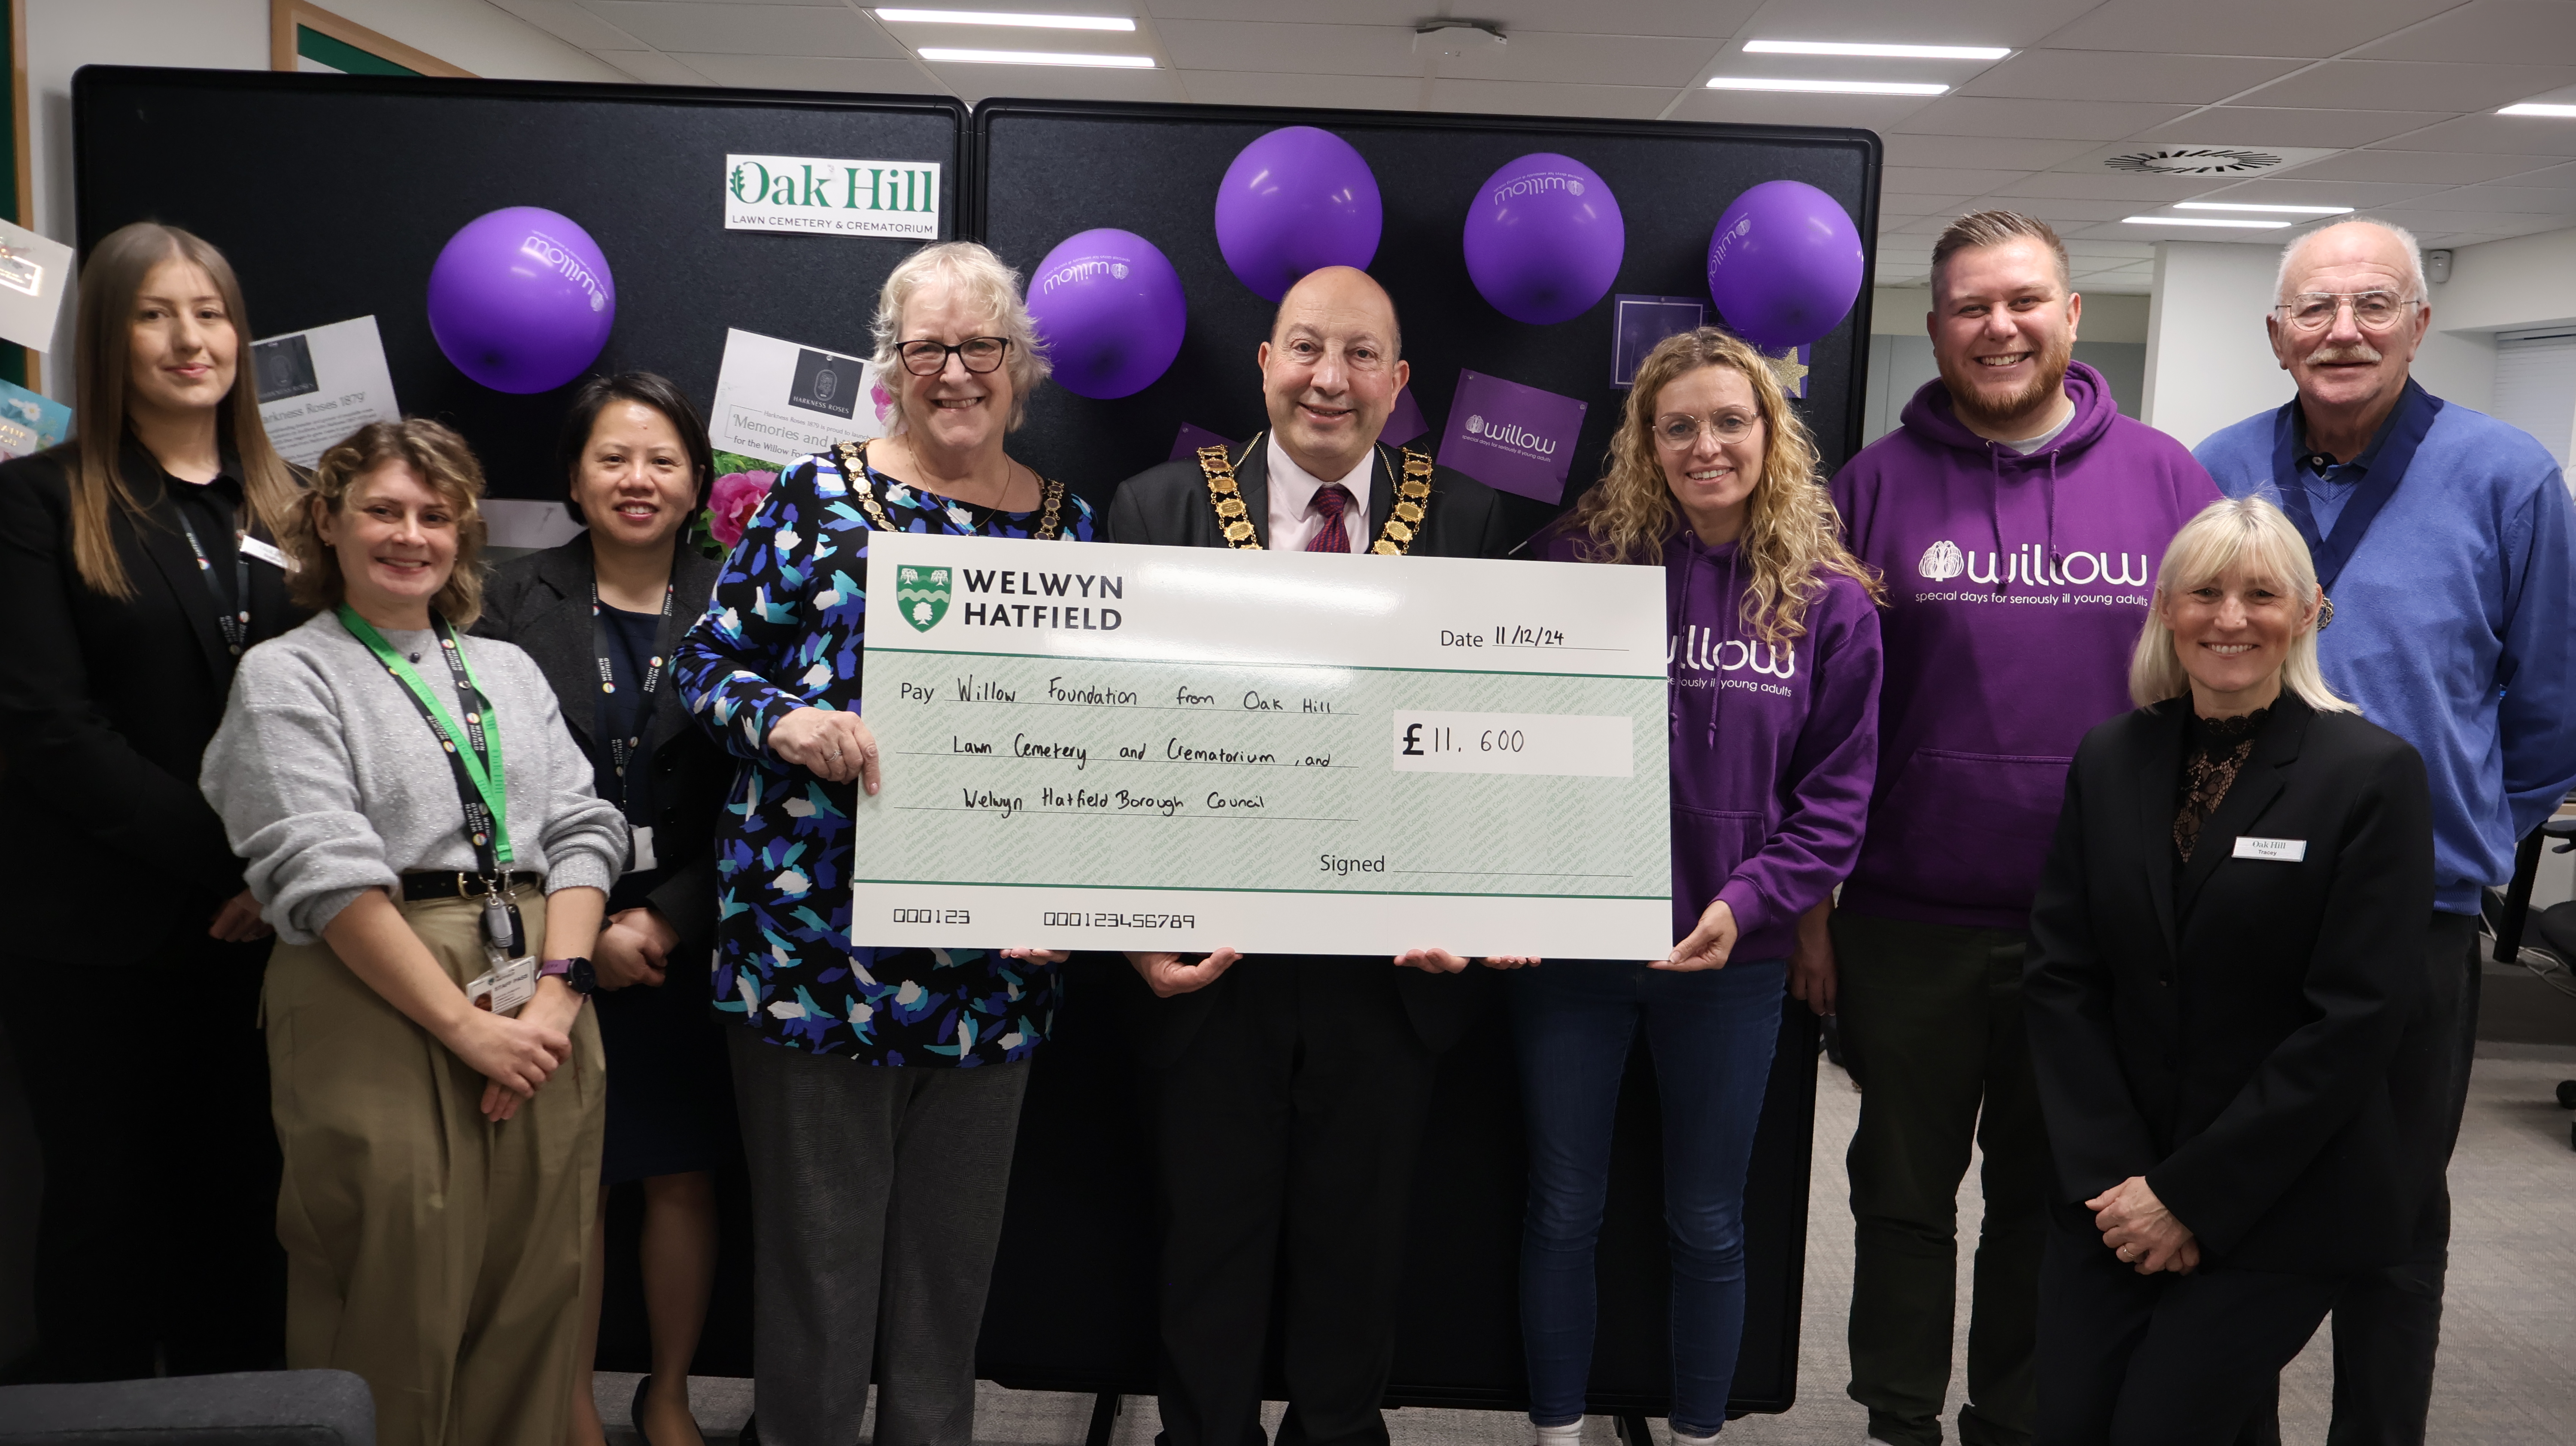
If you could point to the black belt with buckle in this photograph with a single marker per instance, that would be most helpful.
(453, 885)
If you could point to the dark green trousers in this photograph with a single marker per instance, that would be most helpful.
(1931, 1022)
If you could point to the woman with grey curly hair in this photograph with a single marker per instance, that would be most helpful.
(879, 1087)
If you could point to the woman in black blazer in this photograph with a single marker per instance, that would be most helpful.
(137, 563)
(2226, 945)
(607, 608)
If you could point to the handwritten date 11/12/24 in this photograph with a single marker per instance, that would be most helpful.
(1504, 635)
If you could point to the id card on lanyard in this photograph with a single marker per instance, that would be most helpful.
(473, 751)
(634, 795)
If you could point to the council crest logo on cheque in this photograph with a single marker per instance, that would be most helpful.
(921, 595)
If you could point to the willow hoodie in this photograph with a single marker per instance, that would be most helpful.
(2016, 588)
(1772, 747)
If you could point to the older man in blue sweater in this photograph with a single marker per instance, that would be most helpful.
(2445, 543)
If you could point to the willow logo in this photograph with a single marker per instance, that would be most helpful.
(1512, 435)
(2029, 564)
(554, 256)
(1082, 268)
(1941, 562)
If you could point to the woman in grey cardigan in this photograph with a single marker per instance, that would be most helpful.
(424, 837)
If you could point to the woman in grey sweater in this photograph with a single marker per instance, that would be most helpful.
(423, 834)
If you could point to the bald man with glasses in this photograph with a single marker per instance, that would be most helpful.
(2446, 545)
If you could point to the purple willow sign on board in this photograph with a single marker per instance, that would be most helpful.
(1511, 437)
(1192, 437)
(1404, 421)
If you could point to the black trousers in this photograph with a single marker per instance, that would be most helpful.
(157, 1243)
(2388, 1323)
(1288, 1127)
(2163, 1360)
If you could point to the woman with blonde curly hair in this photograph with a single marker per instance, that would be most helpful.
(1773, 657)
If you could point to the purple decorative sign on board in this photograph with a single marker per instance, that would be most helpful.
(1404, 422)
(1511, 437)
(1642, 321)
(1192, 438)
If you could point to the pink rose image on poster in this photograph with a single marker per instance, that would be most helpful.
(735, 498)
(884, 402)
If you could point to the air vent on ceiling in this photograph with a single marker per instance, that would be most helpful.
(2195, 161)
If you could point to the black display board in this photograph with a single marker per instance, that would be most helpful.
(332, 194)
(1047, 169)
(1072, 1307)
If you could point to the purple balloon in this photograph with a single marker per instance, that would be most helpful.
(521, 299)
(1544, 238)
(1110, 307)
(1784, 264)
(1296, 200)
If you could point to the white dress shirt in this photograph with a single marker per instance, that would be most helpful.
(1293, 520)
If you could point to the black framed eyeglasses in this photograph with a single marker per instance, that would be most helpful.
(930, 358)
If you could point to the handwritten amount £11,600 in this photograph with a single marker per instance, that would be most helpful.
(1130, 747)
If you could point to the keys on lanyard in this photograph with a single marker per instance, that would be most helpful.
(231, 615)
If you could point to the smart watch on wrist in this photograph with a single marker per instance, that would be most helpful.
(575, 972)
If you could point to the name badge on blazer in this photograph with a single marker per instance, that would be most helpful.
(2272, 850)
(267, 552)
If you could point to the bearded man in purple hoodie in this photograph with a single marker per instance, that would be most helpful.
(2017, 518)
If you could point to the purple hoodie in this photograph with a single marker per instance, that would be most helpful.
(2017, 586)
(1772, 748)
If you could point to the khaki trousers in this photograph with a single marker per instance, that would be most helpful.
(437, 1255)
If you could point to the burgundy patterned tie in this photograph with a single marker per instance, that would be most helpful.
(1331, 501)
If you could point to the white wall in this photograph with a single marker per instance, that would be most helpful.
(2208, 363)
(64, 35)
(2109, 316)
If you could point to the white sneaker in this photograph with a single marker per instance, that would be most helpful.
(1568, 1434)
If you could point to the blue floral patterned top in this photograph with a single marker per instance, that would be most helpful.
(784, 631)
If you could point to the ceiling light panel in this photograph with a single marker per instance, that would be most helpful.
(2253, 206)
(1825, 87)
(2533, 107)
(2202, 221)
(1891, 52)
(1033, 57)
(1005, 17)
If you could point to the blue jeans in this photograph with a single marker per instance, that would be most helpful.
(1712, 1034)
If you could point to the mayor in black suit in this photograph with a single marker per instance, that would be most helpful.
(609, 606)
(137, 564)
(1290, 1092)
(2227, 946)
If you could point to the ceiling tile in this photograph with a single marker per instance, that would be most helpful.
(1869, 112)
(1939, 180)
(2132, 251)
(2492, 32)
(2411, 85)
(812, 72)
(2559, 175)
(654, 68)
(2059, 210)
(2512, 135)
(977, 83)
(1983, 116)
(2108, 186)
(1904, 204)
(2265, 27)
(2453, 167)
(2503, 223)
(2014, 153)
(1300, 48)
(1505, 97)
(1600, 59)
(1345, 92)
(2298, 191)
(2531, 200)
(2275, 126)
(2120, 75)
(568, 22)
(747, 29)
(1708, 19)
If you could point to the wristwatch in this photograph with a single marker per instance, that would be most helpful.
(575, 972)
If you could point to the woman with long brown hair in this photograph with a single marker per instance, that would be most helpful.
(136, 565)
(1774, 663)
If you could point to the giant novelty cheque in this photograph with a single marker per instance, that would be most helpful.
(1122, 747)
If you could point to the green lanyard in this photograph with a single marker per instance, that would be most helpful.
(473, 751)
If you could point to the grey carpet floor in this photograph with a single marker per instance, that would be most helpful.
(2508, 1367)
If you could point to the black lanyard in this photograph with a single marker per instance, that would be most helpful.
(2388, 457)
(477, 764)
(231, 614)
(622, 750)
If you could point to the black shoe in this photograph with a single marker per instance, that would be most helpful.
(750, 1432)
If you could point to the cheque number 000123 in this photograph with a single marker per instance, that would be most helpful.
(934, 916)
